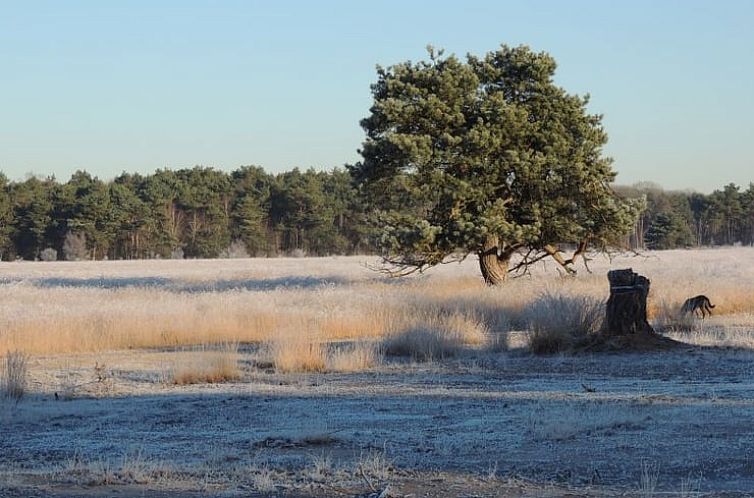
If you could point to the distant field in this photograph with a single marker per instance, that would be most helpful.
(321, 377)
(99, 306)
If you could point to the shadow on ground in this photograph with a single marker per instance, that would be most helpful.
(179, 286)
(584, 422)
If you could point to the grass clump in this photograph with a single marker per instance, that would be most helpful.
(423, 343)
(297, 353)
(556, 322)
(209, 366)
(432, 336)
(14, 375)
(354, 357)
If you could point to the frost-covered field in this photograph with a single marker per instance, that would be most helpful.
(110, 407)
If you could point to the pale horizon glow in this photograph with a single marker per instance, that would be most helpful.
(138, 86)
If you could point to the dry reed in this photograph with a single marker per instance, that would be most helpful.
(208, 365)
(556, 321)
(100, 306)
(14, 375)
(354, 357)
(297, 352)
(433, 334)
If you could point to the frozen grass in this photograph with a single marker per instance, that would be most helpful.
(668, 317)
(208, 365)
(434, 335)
(375, 465)
(321, 467)
(566, 414)
(131, 468)
(262, 479)
(555, 321)
(354, 357)
(650, 473)
(297, 352)
(559, 423)
(497, 342)
(735, 331)
(14, 375)
(68, 307)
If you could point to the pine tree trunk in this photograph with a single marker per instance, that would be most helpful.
(627, 305)
(493, 265)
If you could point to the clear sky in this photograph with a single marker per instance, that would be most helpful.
(140, 85)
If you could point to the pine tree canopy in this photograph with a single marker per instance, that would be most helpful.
(485, 156)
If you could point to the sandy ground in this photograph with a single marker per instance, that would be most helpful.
(506, 424)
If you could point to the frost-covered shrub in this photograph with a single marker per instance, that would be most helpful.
(48, 254)
(74, 247)
(236, 250)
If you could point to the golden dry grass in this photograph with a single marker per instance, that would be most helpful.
(213, 302)
(427, 334)
(556, 320)
(297, 352)
(13, 375)
(354, 357)
(208, 365)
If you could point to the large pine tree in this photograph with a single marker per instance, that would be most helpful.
(485, 156)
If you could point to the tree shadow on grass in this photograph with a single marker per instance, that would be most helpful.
(178, 286)
(527, 416)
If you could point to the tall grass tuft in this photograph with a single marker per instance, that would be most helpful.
(354, 357)
(166, 303)
(208, 365)
(434, 335)
(556, 321)
(14, 375)
(292, 352)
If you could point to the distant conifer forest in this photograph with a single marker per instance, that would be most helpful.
(203, 212)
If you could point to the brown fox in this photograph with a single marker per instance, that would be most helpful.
(699, 305)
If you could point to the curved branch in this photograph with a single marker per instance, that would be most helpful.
(402, 266)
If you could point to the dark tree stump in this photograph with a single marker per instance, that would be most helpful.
(627, 305)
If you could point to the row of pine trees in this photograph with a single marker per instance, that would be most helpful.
(192, 213)
(674, 219)
(208, 213)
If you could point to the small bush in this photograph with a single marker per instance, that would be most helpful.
(177, 253)
(321, 468)
(236, 250)
(556, 322)
(15, 372)
(74, 247)
(209, 366)
(48, 254)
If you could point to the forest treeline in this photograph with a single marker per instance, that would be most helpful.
(678, 219)
(193, 213)
(207, 213)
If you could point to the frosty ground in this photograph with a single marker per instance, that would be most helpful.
(481, 423)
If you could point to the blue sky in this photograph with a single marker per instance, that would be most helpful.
(136, 86)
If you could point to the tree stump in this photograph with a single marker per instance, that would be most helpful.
(627, 305)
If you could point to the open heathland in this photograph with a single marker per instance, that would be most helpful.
(322, 377)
